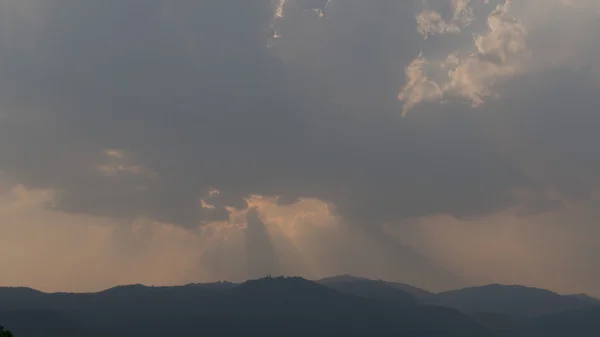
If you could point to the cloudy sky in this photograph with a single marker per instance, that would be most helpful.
(442, 143)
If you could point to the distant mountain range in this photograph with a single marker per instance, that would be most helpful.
(493, 298)
(512, 300)
(510, 311)
(337, 306)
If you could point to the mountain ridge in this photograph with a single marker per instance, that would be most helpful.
(294, 306)
(225, 284)
(273, 306)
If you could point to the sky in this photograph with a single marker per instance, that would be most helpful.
(441, 143)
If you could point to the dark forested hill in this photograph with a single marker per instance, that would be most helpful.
(574, 323)
(271, 307)
(369, 288)
(340, 306)
(492, 299)
(510, 300)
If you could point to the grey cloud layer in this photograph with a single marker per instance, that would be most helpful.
(198, 95)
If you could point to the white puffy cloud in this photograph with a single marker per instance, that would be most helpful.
(498, 55)
(279, 8)
(513, 43)
(431, 22)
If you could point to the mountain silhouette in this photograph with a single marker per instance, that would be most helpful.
(574, 323)
(269, 306)
(380, 290)
(293, 306)
(422, 296)
(40, 322)
(586, 298)
(511, 300)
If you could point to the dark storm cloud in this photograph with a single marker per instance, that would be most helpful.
(550, 130)
(198, 93)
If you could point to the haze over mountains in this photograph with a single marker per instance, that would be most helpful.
(343, 305)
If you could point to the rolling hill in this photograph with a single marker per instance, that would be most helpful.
(292, 306)
(510, 300)
(270, 307)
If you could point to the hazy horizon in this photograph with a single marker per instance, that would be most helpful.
(239, 282)
(438, 143)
